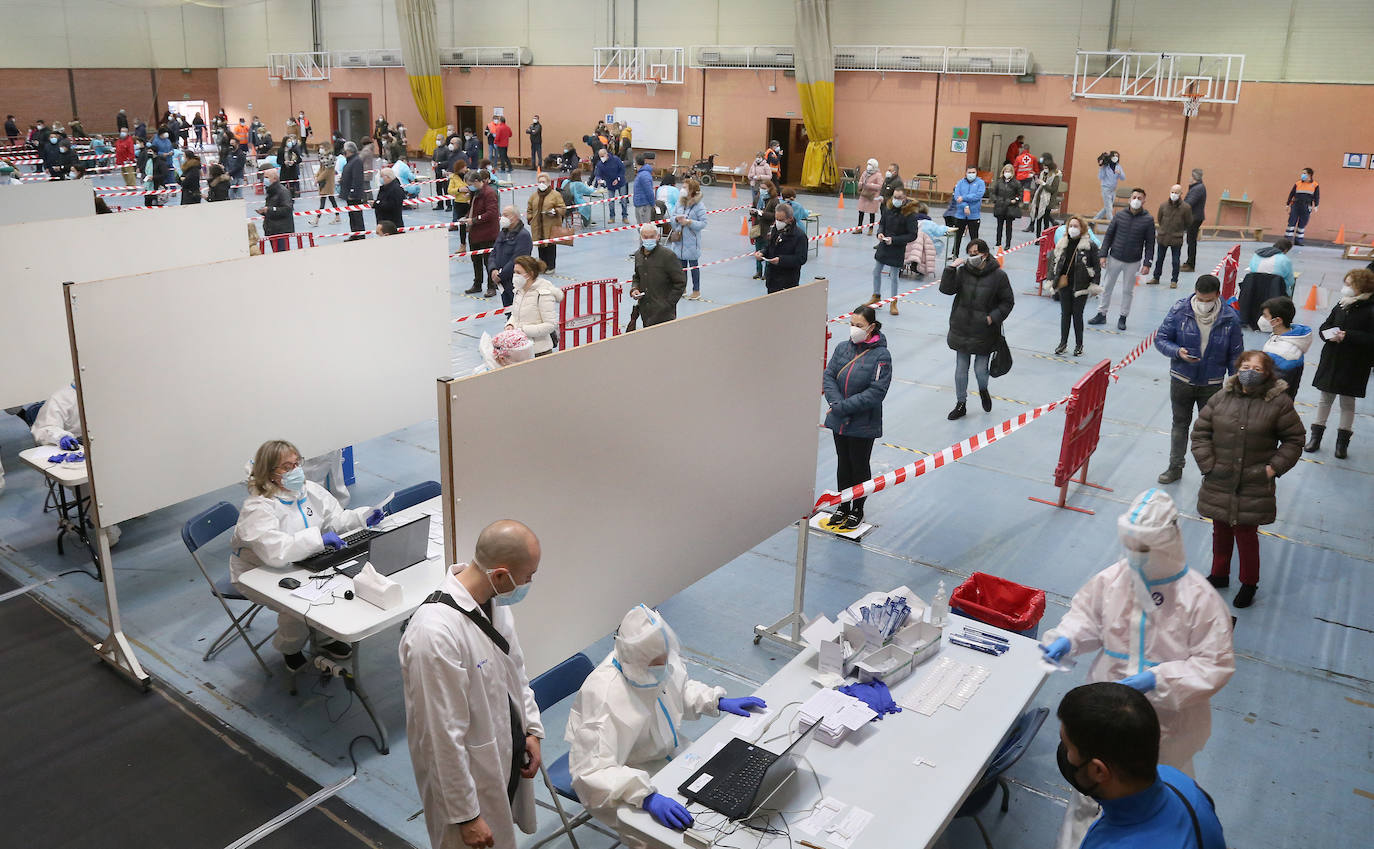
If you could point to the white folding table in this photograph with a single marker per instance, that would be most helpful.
(71, 511)
(354, 620)
(873, 768)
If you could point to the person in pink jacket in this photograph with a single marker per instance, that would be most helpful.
(870, 195)
(759, 173)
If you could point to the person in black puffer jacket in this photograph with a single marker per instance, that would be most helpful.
(784, 254)
(1076, 262)
(190, 180)
(1006, 204)
(855, 383)
(1346, 359)
(982, 301)
(896, 229)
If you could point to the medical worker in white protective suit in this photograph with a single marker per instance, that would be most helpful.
(287, 518)
(472, 724)
(1157, 626)
(58, 423)
(626, 720)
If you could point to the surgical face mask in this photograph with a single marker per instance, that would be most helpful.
(453, 147)
(1137, 203)
(885, 173)
(1204, 307)
(1006, 175)
(1137, 559)
(898, 202)
(510, 224)
(763, 193)
(1070, 772)
(1115, 159)
(1305, 177)
(858, 335)
(515, 596)
(291, 144)
(1173, 195)
(977, 260)
(1075, 232)
(649, 244)
(53, 139)
(1250, 378)
(605, 156)
(294, 480)
(123, 133)
(1347, 292)
(543, 185)
(1265, 325)
(520, 279)
(971, 176)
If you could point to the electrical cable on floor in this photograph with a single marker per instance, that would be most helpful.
(27, 587)
(292, 813)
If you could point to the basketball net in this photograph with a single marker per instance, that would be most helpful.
(1191, 104)
(651, 86)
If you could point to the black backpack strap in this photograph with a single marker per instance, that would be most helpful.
(477, 618)
(1192, 814)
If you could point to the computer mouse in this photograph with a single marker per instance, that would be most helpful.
(288, 583)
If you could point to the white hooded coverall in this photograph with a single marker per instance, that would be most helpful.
(458, 689)
(279, 530)
(1161, 617)
(625, 721)
(60, 416)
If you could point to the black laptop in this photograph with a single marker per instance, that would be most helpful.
(356, 546)
(741, 778)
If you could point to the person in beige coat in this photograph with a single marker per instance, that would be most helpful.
(545, 213)
(870, 195)
(535, 308)
(324, 179)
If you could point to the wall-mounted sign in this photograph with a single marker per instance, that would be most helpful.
(958, 146)
(694, 120)
(498, 110)
(1355, 160)
(960, 133)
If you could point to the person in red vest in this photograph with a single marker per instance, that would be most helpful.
(1014, 149)
(1026, 166)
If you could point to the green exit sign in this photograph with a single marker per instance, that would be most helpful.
(960, 133)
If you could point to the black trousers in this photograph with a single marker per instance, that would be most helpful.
(852, 454)
(1004, 228)
(479, 264)
(960, 225)
(1071, 309)
(1192, 243)
(549, 254)
(356, 224)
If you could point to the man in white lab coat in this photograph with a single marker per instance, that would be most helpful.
(471, 720)
(1156, 626)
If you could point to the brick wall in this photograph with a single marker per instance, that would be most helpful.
(100, 93)
(32, 93)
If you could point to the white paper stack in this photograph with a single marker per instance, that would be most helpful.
(834, 714)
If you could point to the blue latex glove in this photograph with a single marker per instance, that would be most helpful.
(78, 457)
(668, 812)
(740, 707)
(57, 458)
(375, 517)
(69, 443)
(874, 694)
(1057, 649)
(331, 540)
(1142, 681)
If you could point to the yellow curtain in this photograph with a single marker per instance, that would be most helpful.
(418, 23)
(816, 89)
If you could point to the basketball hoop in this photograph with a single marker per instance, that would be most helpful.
(1191, 104)
(651, 85)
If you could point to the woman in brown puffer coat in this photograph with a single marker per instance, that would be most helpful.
(1246, 437)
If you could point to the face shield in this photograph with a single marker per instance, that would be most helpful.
(646, 649)
(1154, 545)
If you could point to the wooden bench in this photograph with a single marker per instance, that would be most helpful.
(1242, 231)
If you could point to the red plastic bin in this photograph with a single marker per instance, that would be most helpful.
(1001, 603)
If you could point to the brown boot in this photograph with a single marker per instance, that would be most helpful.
(874, 299)
(892, 308)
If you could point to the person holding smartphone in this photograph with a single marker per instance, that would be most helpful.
(1202, 338)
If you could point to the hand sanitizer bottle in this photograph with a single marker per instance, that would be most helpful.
(939, 608)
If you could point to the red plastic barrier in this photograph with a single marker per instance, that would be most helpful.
(303, 240)
(1082, 426)
(1042, 264)
(1230, 265)
(590, 311)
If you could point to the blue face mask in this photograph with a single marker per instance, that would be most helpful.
(294, 480)
(1137, 559)
(506, 599)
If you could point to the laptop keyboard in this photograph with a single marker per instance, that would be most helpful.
(355, 544)
(738, 790)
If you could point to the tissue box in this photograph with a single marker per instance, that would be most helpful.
(377, 589)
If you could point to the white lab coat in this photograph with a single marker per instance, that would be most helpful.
(457, 683)
(57, 418)
(278, 530)
(620, 735)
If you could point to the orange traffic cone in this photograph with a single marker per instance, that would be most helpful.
(1311, 299)
(744, 226)
(829, 237)
(841, 200)
(733, 193)
(1340, 236)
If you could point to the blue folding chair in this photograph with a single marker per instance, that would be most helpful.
(1013, 747)
(198, 530)
(412, 495)
(552, 687)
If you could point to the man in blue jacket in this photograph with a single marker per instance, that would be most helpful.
(1109, 750)
(643, 190)
(610, 172)
(1202, 338)
(965, 210)
(1130, 238)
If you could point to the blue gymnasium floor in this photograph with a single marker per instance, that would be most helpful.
(1289, 761)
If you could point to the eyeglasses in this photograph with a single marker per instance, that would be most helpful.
(286, 466)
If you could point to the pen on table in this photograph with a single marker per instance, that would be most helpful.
(959, 641)
(993, 637)
(809, 844)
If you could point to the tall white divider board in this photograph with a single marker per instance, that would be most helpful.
(42, 255)
(47, 200)
(642, 462)
(182, 376)
(652, 129)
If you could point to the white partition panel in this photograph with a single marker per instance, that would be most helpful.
(40, 256)
(183, 376)
(642, 462)
(43, 201)
(654, 129)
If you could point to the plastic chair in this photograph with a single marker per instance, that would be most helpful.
(552, 687)
(412, 495)
(30, 412)
(1011, 750)
(849, 180)
(198, 530)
